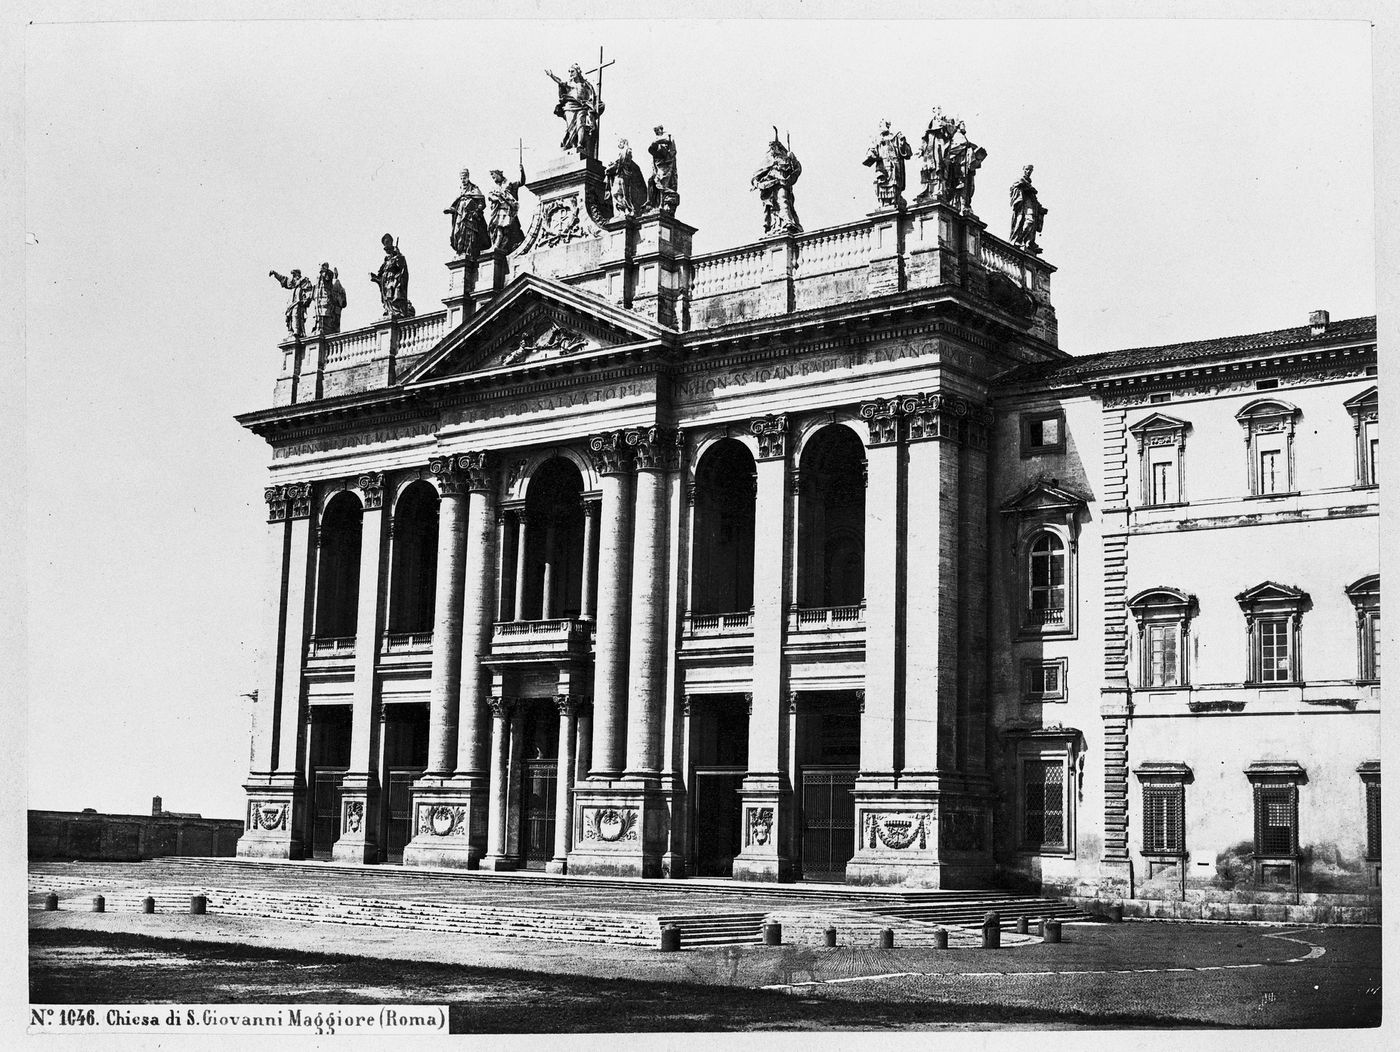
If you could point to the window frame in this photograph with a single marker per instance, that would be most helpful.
(1271, 782)
(1029, 419)
(1370, 772)
(1158, 434)
(1167, 609)
(1271, 603)
(1057, 749)
(1365, 596)
(1029, 669)
(1269, 423)
(1365, 419)
(1043, 621)
(1164, 782)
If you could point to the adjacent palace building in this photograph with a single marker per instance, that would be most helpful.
(818, 559)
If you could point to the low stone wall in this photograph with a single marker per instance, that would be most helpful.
(1310, 909)
(129, 838)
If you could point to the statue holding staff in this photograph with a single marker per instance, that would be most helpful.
(580, 108)
(300, 288)
(392, 280)
(1027, 213)
(662, 193)
(774, 182)
(327, 301)
(469, 236)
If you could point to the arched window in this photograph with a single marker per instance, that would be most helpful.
(1047, 577)
(413, 573)
(721, 563)
(1365, 596)
(338, 568)
(554, 542)
(831, 520)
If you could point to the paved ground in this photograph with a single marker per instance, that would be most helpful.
(1136, 974)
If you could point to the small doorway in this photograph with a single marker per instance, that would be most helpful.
(828, 757)
(539, 782)
(405, 758)
(719, 752)
(328, 760)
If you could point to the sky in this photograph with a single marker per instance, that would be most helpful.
(1202, 179)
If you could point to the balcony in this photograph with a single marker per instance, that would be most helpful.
(825, 618)
(1053, 618)
(559, 637)
(739, 623)
(330, 647)
(406, 643)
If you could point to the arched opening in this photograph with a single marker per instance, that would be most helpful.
(554, 542)
(721, 562)
(413, 574)
(831, 520)
(338, 568)
(1047, 578)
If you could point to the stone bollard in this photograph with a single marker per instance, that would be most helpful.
(198, 904)
(940, 939)
(1022, 926)
(772, 934)
(670, 938)
(51, 901)
(1040, 927)
(887, 938)
(148, 904)
(991, 931)
(1115, 913)
(830, 937)
(99, 904)
(1052, 930)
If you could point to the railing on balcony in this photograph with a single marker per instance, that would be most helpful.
(407, 643)
(997, 256)
(837, 248)
(738, 623)
(417, 335)
(728, 271)
(330, 646)
(1045, 617)
(823, 618)
(557, 629)
(347, 347)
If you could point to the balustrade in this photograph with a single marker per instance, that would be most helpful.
(817, 618)
(330, 646)
(738, 623)
(347, 347)
(407, 643)
(727, 271)
(824, 251)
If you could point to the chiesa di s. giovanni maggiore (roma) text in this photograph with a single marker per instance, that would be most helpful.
(815, 558)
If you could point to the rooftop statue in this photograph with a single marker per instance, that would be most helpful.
(626, 186)
(1027, 213)
(580, 108)
(392, 280)
(887, 155)
(300, 289)
(327, 301)
(662, 193)
(469, 236)
(504, 223)
(950, 162)
(774, 182)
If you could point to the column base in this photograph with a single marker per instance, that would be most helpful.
(766, 829)
(622, 830)
(557, 865)
(497, 863)
(274, 821)
(929, 831)
(449, 822)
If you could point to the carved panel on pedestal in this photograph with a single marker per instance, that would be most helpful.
(354, 816)
(610, 825)
(897, 830)
(758, 821)
(267, 814)
(442, 820)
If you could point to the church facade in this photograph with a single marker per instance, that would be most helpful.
(817, 559)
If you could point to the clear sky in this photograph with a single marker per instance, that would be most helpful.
(1203, 179)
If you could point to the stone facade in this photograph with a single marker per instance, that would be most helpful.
(814, 558)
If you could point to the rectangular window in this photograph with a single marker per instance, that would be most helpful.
(1163, 819)
(1370, 645)
(1044, 803)
(1275, 820)
(1271, 474)
(1373, 820)
(1162, 663)
(1275, 656)
(1370, 453)
(1163, 492)
(1042, 433)
(1044, 680)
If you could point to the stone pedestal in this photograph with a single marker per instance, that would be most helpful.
(623, 829)
(461, 283)
(766, 829)
(492, 273)
(922, 832)
(359, 819)
(449, 822)
(275, 822)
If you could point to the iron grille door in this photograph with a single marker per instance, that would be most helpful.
(541, 782)
(325, 810)
(399, 813)
(828, 821)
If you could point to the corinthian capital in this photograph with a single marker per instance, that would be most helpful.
(655, 448)
(479, 468)
(610, 453)
(882, 418)
(771, 432)
(447, 473)
(500, 706)
(371, 486)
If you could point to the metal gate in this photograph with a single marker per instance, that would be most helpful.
(325, 810)
(541, 782)
(398, 814)
(828, 821)
(717, 820)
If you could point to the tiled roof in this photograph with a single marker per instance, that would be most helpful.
(1174, 354)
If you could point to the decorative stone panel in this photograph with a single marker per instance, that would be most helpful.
(267, 814)
(609, 825)
(441, 820)
(896, 830)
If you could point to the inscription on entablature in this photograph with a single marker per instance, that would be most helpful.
(527, 405)
(349, 439)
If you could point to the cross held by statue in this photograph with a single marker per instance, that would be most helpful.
(599, 70)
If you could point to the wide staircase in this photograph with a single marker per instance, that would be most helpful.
(530, 905)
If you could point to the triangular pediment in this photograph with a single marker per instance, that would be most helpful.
(532, 322)
(1158, 422)
(1045, 495)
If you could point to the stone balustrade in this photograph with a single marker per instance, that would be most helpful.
(407, 643)
(330, 646)
(819, 618)
(738, 623)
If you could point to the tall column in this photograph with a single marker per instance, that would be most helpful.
(654, 450)
(446, 680)
(933, 603)
(564, 783)
(495, 857)
(276, 786)
(521, 524)
(767, 792)
(590, 518)
(478, 601)
(879, 741)
(614, 463)
(547, 588)
(359, 790)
